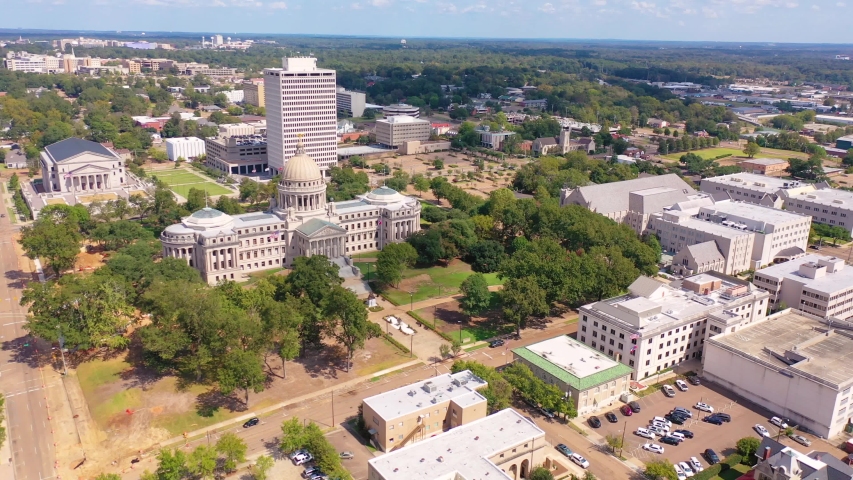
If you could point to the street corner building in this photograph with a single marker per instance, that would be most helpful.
(300, 223)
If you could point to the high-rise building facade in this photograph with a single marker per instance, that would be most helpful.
(300, 99)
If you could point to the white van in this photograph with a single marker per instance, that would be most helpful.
(662, 420)
(645, 433)
(676, 435)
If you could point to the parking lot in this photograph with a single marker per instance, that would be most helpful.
(721, 439)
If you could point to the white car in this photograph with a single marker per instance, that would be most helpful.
(661, 420)
(659, 430)
(302, 458)
(653, 447)
(682, 385)
(687, 470)
(645, 433)
(761, 430)
(704, 407)
(668, 391)
(778, 422)
(679, 472)
(579, 460)
(696, 464)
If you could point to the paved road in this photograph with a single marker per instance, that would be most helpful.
(20, 378)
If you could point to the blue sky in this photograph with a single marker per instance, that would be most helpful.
(824, 21)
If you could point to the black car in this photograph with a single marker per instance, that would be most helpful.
(670, 440)
(252, 422)
(686, 433)
(496, 343)
(594, 422)
(634, 406)
(724, 417)
(711, 456)
(714, 420)
(694, 380)
(611, 417)
(676, 419)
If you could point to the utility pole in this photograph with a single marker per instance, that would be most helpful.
(622, 448)
(62, 351)
(333, 407)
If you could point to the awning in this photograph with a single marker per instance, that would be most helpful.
(372, 431)
(790, 252)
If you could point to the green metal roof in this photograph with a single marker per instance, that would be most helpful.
(617, 371)
(314, 225)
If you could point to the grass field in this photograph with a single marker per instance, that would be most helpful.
(707, 153)
(733, 473)
(182, 180)
(424, 282)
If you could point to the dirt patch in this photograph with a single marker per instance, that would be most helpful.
(88, 261)
(412, 283)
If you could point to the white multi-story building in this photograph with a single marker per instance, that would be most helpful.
(351, 103)
(751, 188)
(401, 109)
(233, 96)
(301, 100)
(395, 131)
(815, 284)
(793, 364)
(299, 223)
(657, 325)
(186, 147)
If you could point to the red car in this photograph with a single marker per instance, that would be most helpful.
(626, 410)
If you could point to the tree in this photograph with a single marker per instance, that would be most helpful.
(421, 183)
(522, 298)
(292, 436)
(196, 199)
(249, 190)
(108, 476)
(444, 350)
(660, 470)
(614, 441)
(456, 347)
(347, 321)
(476, 296)
(262, 466)
(751, 149)
(55, 236)
(234, 449)
(486, 255)
(241, 369)
(438, 164)
(747, 446)
(15, 183)
(391, 261)
(541, 473)
(202, 462)
(172, 465)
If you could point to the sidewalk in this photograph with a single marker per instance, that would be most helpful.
(7, 470)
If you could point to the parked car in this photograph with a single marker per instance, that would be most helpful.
(594, 422)
(686, 433)
(677, 435)
(635, 406)
(761, 430)
(676, 419)
(687, 470)
(645, 433)
(778, 422)
(704, 407)
(564, 450)
(662, 420)
(670, 440)
(713, 420)
(668, 391)
(682, 411)
(582, 462)
(724, 417)
(310, 472)
(626, 410)
(679, 472)
(302, 458)
(496, 343)
(296, 453)
(659, 430)
(711, 456)
(801, 440)
(682, 385)
(251, 422)
(611, 417)
(547, 413)
(696, 465)
(347, 455)
(694, 380)
(653, 447)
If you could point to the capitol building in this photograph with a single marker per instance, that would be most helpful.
(299, 223)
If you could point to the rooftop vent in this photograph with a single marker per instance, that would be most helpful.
(477, 437)
(429, 387)
(460, 381)
(440, 459)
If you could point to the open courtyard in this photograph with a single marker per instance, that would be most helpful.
(181, 180)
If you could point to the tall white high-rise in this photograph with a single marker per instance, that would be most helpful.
(301, 100)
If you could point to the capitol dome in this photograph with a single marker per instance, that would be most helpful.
(301, 167)
(385, 195)
(207, 218)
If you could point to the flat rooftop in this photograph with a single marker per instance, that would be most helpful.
(687, 220)
(573, 362)
(362, 150)
(827, 357)
(827, 196)
(765, 161)
(460, 453)
(830, 283)
(753, 181)
(402, 401)
(752, 211)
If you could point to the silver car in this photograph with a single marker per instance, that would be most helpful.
(801, 440)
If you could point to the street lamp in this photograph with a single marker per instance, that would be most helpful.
(62, 350)
(412, 300)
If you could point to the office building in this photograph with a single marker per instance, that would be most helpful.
(253, 94)
(299, 223)
(237, 154)
(825, 205)
(236, 130)
(493, 139)
(631, 201)
(184, 147)
(773, 167)
(397, 130)
(656, 325)
(412, 413)
(816, 284)
(591, 379)
(793, 364)
(401, 109)
(844, 143)
(212, 71)
(234, 96)
(776, 461)
(351, 103)
(503, 446)
(301, 100)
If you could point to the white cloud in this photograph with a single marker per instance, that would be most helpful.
(709, 12)
(646, 7)
(792, 5)
(356, 6)
(680, 23)
(840, 4)
(547, 8)
(278, 6)
(380, 3)
(600, 2)
(815, 7)
(446, 8)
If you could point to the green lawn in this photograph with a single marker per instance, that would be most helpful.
(12, 216)
(210, 187)
(448, 278)
(733, 473)
(707, 153)
(182, 180)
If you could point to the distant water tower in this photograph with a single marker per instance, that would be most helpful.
(403, 43)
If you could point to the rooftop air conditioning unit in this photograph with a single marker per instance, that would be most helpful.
(429, 387)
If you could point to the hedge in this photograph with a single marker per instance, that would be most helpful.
(397, 344)
(714, 470)
(426, 325)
